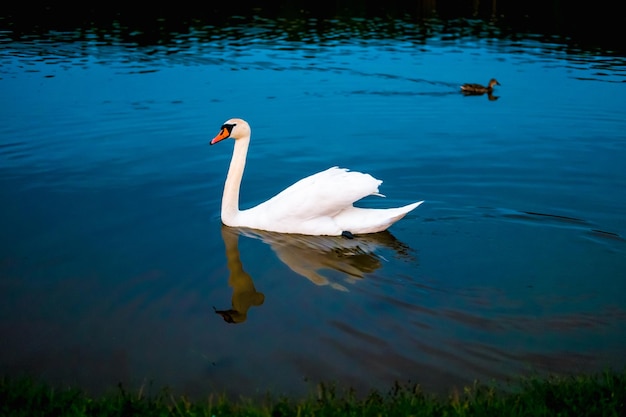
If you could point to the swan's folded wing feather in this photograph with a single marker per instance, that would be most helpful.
(323, 194)
(367, 220)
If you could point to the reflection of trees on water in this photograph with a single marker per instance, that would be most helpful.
(175, 29)
(323, 260)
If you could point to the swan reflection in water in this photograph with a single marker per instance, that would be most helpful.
(308, 256)
(245, 294)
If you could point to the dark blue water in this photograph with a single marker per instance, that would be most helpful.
(113, 259)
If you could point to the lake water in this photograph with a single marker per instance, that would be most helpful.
(114, 263)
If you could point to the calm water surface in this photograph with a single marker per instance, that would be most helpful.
(114, 265)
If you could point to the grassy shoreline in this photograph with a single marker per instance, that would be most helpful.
(602, 394)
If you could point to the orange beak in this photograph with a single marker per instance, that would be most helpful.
(224, 134)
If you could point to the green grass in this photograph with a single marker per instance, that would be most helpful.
(602, 394)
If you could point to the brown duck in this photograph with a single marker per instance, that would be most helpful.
(479, 89)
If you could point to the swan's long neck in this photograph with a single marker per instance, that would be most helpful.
(230, 198)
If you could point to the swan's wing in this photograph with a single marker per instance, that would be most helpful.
(322, 204)
(323, 194)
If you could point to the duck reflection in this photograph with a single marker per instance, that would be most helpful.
(323, 260)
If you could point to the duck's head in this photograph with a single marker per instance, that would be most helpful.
(233, 128)
(493, 82)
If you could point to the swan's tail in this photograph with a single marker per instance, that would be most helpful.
(368, 220)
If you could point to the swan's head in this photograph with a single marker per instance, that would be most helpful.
(233, 128)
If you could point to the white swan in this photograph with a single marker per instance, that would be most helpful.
(320, 204)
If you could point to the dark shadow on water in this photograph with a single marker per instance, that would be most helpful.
(610, 239)
(320, 259)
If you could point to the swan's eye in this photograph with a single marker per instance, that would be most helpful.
(229, 128)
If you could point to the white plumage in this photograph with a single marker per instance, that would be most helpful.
(321, 204)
